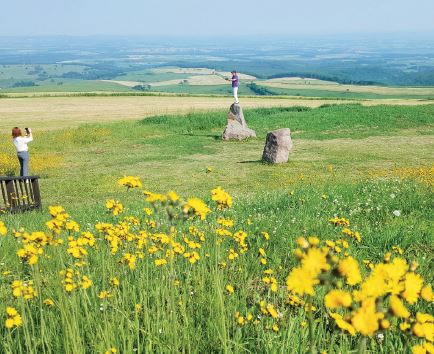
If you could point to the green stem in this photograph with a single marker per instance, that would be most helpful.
(310, 321)
(362, 346)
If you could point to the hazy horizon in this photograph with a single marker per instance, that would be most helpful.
(193, 18)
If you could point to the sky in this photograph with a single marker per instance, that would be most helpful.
(213, 18)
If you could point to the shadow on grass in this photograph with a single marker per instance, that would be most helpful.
(253, 161)
(214, 136)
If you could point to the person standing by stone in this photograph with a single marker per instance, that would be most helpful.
(235, 85)
(20, 143)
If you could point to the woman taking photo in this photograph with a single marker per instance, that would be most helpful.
(20, 143)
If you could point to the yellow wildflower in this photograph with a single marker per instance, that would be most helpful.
(232, 255)
(365, 319)
(412, 287)
(302, 242)
(339, 221)
(225, 222)
(404, 326)
(272, 311)
(342, 324)
(173, 197)
(300, 281)
(314, 261)
(3, 229)
(197, 207)
(148, 211)
(398, 308)
(424, 330)
(13, 318)
(385, 324)
(85, 282)
(160, 262)
(130, 260)
(104, 294)
(229, 289)
(130, 182)
(192, 257)
(313, 240)
(48, 302)
(222, 198)
(115, 206)
(337, 298)
(349, 268)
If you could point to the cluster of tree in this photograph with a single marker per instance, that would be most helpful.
(316, 76)
(260, 90)
(37, 69)
(95, 72)
(24, 84)
(142, 87)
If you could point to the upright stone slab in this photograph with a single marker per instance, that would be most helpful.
(236, 128)
(277, 146)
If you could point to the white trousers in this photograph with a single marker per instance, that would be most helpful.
(235, 89)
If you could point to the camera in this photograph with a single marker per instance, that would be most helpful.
(27, 130)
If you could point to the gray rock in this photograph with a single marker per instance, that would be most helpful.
(236, 128)
(277, 146)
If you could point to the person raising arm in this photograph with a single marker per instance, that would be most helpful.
(235, 85)
(20, 143)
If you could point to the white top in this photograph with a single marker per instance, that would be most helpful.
(20, 143)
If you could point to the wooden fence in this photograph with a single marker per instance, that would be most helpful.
(18, 194)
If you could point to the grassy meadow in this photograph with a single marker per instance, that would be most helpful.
(160, 274)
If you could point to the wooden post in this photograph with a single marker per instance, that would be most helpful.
(10, 192)
(36, 193)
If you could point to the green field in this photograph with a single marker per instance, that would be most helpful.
(372, 165)
(124, 79)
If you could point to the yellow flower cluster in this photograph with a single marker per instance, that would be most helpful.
(23, 289)
(38, 163)
(339, 221)
(379, 297)
(313, 261)
(222, 198)
(425, 348)
(77, 246)
(195, 206)
(3, 229)
(130, 182)
(393, 281)
(225, 222)
(33, 244)
(13, 318)
(61, 220)
(353, 234)
(114, 206)
(369, 303)
(171, 231)
(423, 174)
(73, 280)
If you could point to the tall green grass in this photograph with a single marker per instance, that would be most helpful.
(288, 201)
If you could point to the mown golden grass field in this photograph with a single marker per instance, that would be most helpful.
(62, 111)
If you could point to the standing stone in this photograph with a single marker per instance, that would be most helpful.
(277, 146)
(236, 128)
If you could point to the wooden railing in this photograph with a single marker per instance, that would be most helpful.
(18, 194)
